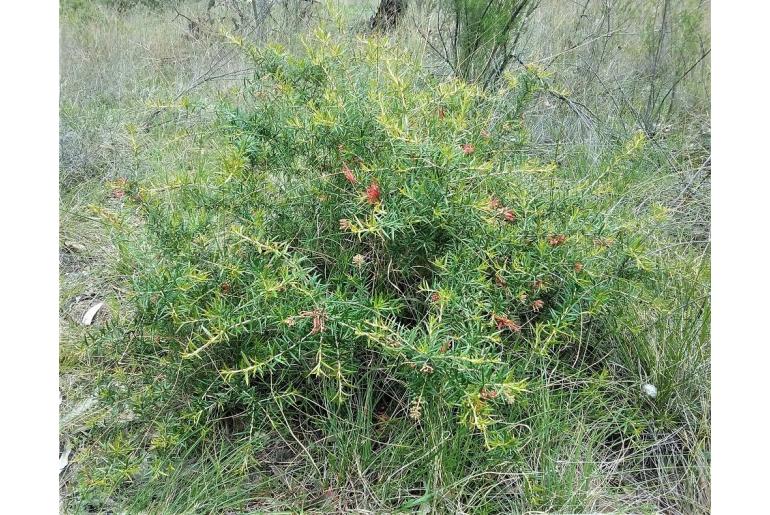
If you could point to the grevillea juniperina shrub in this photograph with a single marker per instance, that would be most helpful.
(368, 217)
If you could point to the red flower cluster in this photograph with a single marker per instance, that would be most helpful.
(504, 322)
(508, 214)
(487, 394)
(318, 320)
(349, 174)
(373, 193)
(468, 149)
(555, 240)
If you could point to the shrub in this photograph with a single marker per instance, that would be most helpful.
(481, 35)
(368, 218)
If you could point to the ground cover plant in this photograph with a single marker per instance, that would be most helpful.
(362, 285)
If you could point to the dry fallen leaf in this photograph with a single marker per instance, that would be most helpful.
(75, 246)
(64, 457)
(75, 415)
(88, 318)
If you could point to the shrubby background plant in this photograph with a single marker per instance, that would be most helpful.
(370, 217)
(345, 282)
(477, 39)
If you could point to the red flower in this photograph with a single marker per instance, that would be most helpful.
(373, 193)
(318, 325)
(555, 240)
(319, 318)
(504, 322)
(487, 394)
(435, 297)
(118, 193)
(509, 215)
(537, 305)
(468, 149)
(349, 174)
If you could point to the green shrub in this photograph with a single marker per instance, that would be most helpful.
(481, 35)
(367, 218)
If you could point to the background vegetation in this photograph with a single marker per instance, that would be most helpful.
(292, 219)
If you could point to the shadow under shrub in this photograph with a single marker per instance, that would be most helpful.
(369, 219)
